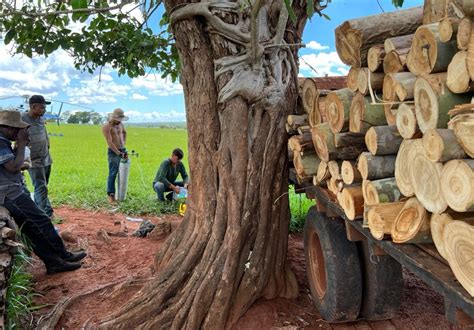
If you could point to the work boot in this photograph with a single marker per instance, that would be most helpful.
(62, 266)
(112, 200)
(74, 256)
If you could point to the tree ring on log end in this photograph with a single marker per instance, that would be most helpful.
(402, 166)
(363, 166)
(433, 145)
(376, 224)
(458, 181)
(408, 223)
(437, 224)
(426, 105)
(371, 140)
(335, 112)
(357, 113)
(406, 121)
(320, 144)
(425, 50)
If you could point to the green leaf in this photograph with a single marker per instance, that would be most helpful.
(291, 12)
(398, 3)
(9, 36)
(326, 16)
(78, 4)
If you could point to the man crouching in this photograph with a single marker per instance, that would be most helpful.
(34, 223)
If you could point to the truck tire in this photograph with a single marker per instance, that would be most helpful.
(333, 267)
(383, 285)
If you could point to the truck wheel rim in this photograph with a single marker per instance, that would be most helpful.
(317, 266)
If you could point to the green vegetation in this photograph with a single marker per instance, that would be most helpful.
(80, 170)
(299, 206)
(20, 295)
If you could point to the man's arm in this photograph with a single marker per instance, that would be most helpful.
(124, 135)
(13, 163)
(161, 175)
(106, 130)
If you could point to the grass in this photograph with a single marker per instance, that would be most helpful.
(299, 206)
(20, 294)
(79, 172)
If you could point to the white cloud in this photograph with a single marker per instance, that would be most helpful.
(316, 45)
(324, 63)
(139, 97)
(157, 85)
(92, 91)
(155, 116)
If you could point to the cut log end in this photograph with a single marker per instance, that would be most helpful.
(457, 181)
(406, 122)
(371, 140)
(353, 202)
(350, 174)
(411, 224)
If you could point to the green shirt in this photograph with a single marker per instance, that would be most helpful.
(167, 173)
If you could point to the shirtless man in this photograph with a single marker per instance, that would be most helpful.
(115, 135)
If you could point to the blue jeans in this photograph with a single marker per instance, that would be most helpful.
(114, 162)
(37, 226)
(160, 190)
(40, 178)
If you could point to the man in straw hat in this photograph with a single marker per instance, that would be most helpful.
(41, 161)
(33, 221)
(116, 136)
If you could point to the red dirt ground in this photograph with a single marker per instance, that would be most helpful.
(126, 257)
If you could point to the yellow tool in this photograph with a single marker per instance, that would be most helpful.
(182, 209)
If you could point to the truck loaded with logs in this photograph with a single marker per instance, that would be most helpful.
(388, 155)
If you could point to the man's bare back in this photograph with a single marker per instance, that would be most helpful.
(115, 135)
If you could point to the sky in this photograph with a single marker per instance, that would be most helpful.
(151, 98)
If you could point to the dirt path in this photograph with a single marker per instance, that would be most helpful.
(122, 258)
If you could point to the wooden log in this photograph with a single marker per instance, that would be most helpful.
(405, 89)
(323, 174)
(464, 33)
(321, 107)
(463, 127)
(448, 28)
(412, 224)
(349, 139)
(376, 167)
(395, 61)
(301, 143)
(433, 100)
(380, 218)
(355, 37)
(428, 53)
(334, 168)
(407, 125)
(363, 82)
(349, 172)
(296, 121)
(363, 114)
(434, 10)
(338, 104)
(309, 94)
(353, 79)
(353, 202)
(441, 145)
(470, 57)
(459, 80)
(462, 7)
(459, 248)
(383, 140)
(303, 129)
(397, 43)
(314, 116)
(305, 165)
(438, 223)
(403, 163)
(457, 179)
(426, 181)
(323, 141)
(381, 191)
(375, 58)
(389, 93)
(333, 186)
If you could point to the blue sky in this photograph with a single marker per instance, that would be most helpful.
(151, 98)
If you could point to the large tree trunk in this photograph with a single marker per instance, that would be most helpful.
(230, 248)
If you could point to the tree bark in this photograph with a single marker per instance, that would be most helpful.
(306, 165)
(230, 248)
(301, 143)
(383, 140)
(397, 43)
(381, 191)
(434, 10)
(363, 81)
(376, 167)
(470, 57)
(355, 37)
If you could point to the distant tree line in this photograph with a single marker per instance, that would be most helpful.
(84, 117)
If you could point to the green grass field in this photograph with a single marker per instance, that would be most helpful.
(80, 171)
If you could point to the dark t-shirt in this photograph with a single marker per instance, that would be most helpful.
(11, 184)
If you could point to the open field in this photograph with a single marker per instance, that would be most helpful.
(80, 169)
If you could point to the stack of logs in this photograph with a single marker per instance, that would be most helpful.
(9, 244)
(395, 147)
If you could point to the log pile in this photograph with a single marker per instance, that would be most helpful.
(396, 147)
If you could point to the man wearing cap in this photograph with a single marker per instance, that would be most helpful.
(34, 223)
(115, 136)
(41, 161)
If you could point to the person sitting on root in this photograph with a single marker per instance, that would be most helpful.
(165, 179)
(116, 137)
(33, 221)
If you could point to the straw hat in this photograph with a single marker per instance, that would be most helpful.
(12, 118)
(118, 114)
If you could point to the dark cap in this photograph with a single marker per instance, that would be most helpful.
(38, 99)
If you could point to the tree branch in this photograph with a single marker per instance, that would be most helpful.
(254, 31)
(12, 10)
